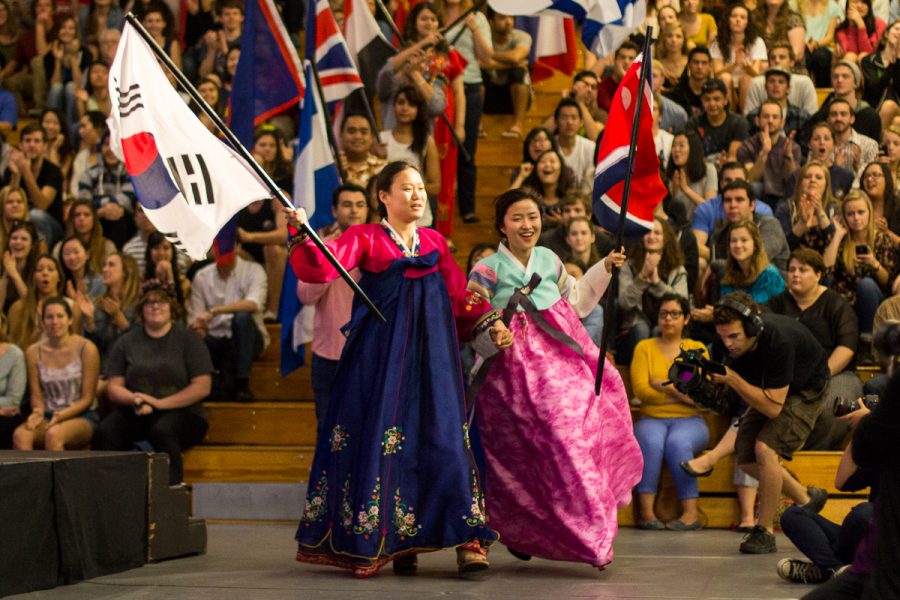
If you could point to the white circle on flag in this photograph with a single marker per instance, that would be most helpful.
(626, 98)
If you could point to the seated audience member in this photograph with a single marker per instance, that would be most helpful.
(821, 148)
(507, 81)
(108, 185)
(571, 207)
(13, 208)
(158, 19)
(136, 247)
(410, 140)
(78, 275)
(748, 268)
(876, 181)
(12, 387)
(552, 180)
(778, 85)
(857, 35)
(82, 222)
(708, 215)
(210, 52)
(111, 314)
(888, 312)
(581, 243)
(654, 270)
(159, 373)
(62, 380)
(670, 426)
(802, 91)
(699, 27)
(225, 309)
(91, 129)
(19, 259)
(829, 546)
(832, 321)
(881, 73)
(26, 326)
(776, 21)
(889, 152)
(671, 52)
(333, 301)
(874, 570)
(852, 149)
(356, 150)
(95, 93)
(739, 204)
(538, 141)
(769, 155)
(670, 115)
(160, 263)
(820, 20)
(58, 147)
(846, 80)
(577, 151)
(738, 53)
(65, 62)
(721, 131)
(662, 138)
(863, 260)
(584, 92)
(41, 179)
(624, 56)
(807, 217)
(688, 91)
(692, 180)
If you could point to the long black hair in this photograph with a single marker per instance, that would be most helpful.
(724, 33)
(868, 20)
(565, 183)
(420, 125)
(695, 168)
(526, 157)
(154, 240)
(411, 35)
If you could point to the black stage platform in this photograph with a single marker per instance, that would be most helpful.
(68, 516)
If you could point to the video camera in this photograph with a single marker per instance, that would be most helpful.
(691, 374)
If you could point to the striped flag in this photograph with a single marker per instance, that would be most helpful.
(647, 188)
(365, 41)
(326, 47)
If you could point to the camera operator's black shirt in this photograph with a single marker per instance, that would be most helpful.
(786, 354)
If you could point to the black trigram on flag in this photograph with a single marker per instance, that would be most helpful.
(191, 174)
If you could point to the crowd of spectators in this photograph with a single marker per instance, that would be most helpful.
(771, 191)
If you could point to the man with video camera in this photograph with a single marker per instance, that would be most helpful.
(779, 369)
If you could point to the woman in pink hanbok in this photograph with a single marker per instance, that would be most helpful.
(560, 459)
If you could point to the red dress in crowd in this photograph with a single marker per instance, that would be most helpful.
(447, 66)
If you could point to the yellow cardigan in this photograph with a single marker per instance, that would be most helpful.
(649, 363)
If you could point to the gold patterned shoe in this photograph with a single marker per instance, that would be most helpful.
(472, 558)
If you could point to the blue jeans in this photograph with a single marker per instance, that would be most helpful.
(323, 374)
(61, 96)
(466, 170)
(675, 440)
(593, 323)
(829, 545)
(868, 298)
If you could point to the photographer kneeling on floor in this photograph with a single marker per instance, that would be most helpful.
(779, 369)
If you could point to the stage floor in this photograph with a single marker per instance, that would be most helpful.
(257, 562)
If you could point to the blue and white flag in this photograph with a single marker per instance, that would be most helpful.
(315, 179)
(606, 23)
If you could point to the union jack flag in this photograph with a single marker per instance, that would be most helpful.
(325, 46)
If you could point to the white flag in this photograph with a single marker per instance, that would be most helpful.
(188, 182)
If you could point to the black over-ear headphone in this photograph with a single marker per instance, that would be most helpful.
(753, 323)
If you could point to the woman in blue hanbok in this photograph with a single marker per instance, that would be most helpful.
(395, 476)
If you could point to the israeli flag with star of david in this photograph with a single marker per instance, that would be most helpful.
(188, 181)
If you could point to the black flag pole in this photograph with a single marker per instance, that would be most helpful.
(245, 154)
(609, 308)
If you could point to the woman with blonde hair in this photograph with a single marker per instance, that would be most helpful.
(671, 51)
(807, 217)
(747, 267)
(112, 313)
(25, 326)
(862, 258)
(13, 208)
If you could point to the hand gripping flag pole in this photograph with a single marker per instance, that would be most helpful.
(609, 309)
(245, 154)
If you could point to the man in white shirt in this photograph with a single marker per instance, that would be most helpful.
(227, 300)
(802, 93)
(577, 151)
